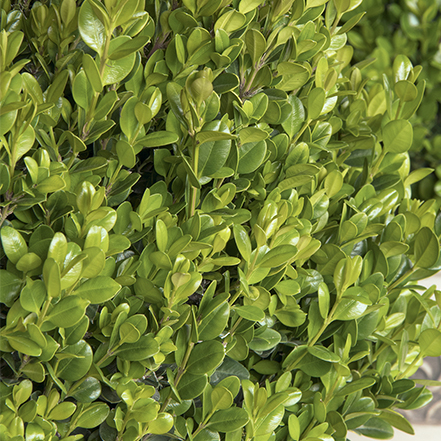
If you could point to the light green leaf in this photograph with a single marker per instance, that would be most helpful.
(221, 398)
(205, 357)
(91, 28)
(281, 255)
(242, 241)
(98, 290)
(376, 428)
(228, 420)
(13, 243)
(397, 136)
(93, 415)
(426, 248)
(144, 348)
(67, 312)
(430, 342)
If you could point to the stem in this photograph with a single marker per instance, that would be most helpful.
(410, 367)
(326, 323)
(307, 122)
(90, 112)
(310, 426)
(311, 343)
(194, 190)
(5, 213)
(401, 279)
(334, 25)
(44, 311)
(399, 110)
(71, 161)
(235, 297)
(181, 371)
(378, 163)
(326, 401)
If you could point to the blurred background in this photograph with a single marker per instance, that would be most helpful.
(425, 421)
(411, 28)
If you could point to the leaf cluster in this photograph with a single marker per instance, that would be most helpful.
(410, 29)
(207, 225)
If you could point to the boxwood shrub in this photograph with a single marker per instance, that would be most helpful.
(413, 29)
(207, 225)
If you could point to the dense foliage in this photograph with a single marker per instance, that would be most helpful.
(411, 28)
(207, 225)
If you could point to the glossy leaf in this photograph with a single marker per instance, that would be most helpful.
(98, 290)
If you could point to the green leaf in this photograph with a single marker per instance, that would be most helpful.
(281, 255)
(143, 113)
(417, 175)
(313, 366)
(265, 341)
(58, 248)
(295, 118)
(252, 313)
(93, 415)
(221, 398)
(62, 411)
(129, 47)
(362, 383)
(315, 103)
(349, 309)
(242, 241)
(33, 295)
(427, 248)
(294, 427)
(144, 348)
(214, 321)
(162, 424)
(98, 290)
(213, 154)
(255, 44)
(209, 136)
(191, 385)
(251, 156)
(77, 364)
(91, 28)
(401, 67)
(323, 299)
(205, 357)
(89, 390)
(323, 354)
(397, 136)
(13, 243)
(158, 139)
(128, 333)
(173, 95)
(397, 420)
(10, 287)
(228, 368)
(430, 342)
(225, 82)
(294, 76)
(24, 345)
(24, 142)
(116, 70)
(67, 312)
(92, 73)
(405, 90)
(82, 90)
(35, 371)
(246, 6)
(126, 154)
(228, 420)
(376, 428)
(51, 184)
